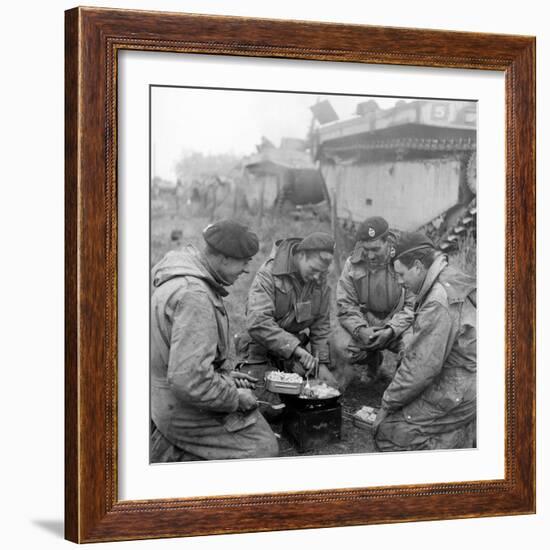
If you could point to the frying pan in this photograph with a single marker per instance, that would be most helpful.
(298, 402)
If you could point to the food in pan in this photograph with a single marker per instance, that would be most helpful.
(279, 376)
(319, 390)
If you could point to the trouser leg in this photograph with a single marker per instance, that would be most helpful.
(397, 433)
(163, 450)
(237, 435)
(346, 356)
(373, 363)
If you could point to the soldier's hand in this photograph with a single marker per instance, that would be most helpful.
(243, 380)
(365, 334)
(380, 338)
(298, 369)
(306, 359)
(247, 399)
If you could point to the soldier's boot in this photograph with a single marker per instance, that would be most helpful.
(373, 361)
(346, 357)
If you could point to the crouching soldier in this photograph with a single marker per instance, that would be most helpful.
(288, 311)
(200, 406)
(372, 308)
(431, 401)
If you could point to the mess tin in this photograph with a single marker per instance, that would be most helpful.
(283, 387)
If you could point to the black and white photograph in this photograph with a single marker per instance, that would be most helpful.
(313, 274)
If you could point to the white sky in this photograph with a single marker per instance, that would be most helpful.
(227, 121)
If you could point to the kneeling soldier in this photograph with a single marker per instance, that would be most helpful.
(431, 401)
(288, 308)
(373, 309)
(200, 406)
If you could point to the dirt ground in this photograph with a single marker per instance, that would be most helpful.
(354, 439)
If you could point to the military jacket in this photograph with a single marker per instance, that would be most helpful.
(368, 296)
(436, 376)
(190, 372)
(280, 306)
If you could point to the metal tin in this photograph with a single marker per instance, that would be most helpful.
(289, 388)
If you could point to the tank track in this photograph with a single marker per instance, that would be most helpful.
(451, 238)
(417, 144)
(451, 230)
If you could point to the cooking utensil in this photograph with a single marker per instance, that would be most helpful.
(276, 407)
(316, 367)
(301, 402)
(307, 387)
(279, 386)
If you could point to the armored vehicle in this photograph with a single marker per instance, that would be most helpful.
(284, 175)
(414, 164)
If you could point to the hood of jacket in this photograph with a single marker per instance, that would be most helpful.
(281, 254)
(457, 284)
(186, 262)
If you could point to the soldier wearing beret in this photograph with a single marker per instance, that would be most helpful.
(372, 308)
(288, 310)
(200, 406)
(431, 401)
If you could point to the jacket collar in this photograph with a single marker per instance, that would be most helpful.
(187, 262)
(439, 264)
(215, 280)
(283, 261)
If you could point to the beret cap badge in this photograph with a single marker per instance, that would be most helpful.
(371, 229)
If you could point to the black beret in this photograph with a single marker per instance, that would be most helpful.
(318, 241)
(372, 229)
(231, 239)
(410, 242)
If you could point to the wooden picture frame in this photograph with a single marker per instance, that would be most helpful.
(93, 39)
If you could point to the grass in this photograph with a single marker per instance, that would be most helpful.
(465, 258)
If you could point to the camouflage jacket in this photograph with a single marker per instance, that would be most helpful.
(371, 297)
(439, 365)
(274, 318)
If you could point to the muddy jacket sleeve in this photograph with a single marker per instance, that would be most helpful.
(260, 318)
(404, 317)
(348, 308)
(423, 359)
(319, 331)
(193, 344)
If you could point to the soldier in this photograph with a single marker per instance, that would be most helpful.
(288, 308)
(200, 406)
(372, 308)
(431, 401)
